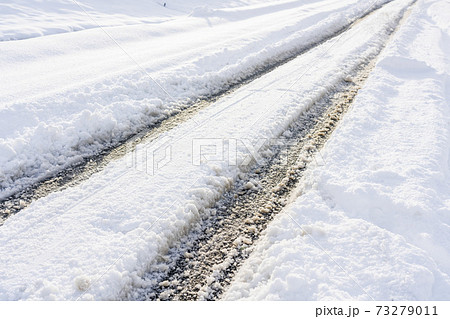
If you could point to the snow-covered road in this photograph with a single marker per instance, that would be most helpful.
(66, 96)
(96, 240)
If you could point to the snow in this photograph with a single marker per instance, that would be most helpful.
(373, 221)
(67, 95)
(96, 239)
(32, 18)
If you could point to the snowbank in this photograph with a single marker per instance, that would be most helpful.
(66, 96)
(373, 222)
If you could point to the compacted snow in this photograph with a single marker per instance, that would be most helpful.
(95, 240)
(374, 221)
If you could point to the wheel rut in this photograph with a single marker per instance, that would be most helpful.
(203, 263)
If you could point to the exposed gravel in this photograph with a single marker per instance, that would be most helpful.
(203, 263)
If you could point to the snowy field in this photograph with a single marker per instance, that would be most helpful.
(372, 222)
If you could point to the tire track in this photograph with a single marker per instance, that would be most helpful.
(202, 265)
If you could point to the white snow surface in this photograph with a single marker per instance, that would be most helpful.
(374, 220)
(95, 240)
(66, 95)
(22, 19)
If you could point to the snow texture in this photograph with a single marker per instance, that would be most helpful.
(68, 95)
(374, 221)
(96, 239)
